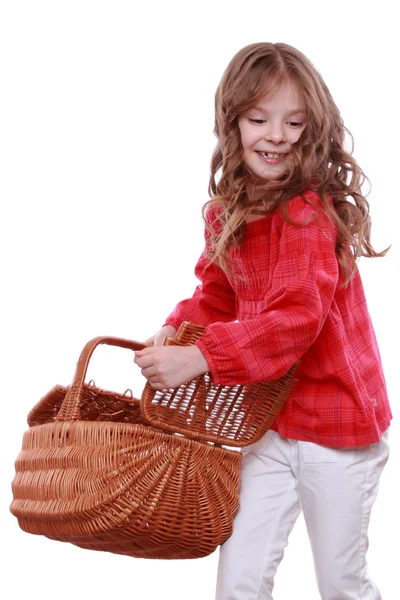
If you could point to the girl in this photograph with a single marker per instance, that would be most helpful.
(285, 225)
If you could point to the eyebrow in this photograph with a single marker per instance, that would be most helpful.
(289, 114)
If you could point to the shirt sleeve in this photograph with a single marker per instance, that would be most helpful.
(291, 314)
(213, 299)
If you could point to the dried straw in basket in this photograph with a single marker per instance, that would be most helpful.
(148, 479)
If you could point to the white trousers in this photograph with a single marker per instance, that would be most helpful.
(335, 489)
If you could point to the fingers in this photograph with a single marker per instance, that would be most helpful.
(149, 363)
(157, 386)
(149, 372)
(146, 363)
(145, 359)
(146, 352)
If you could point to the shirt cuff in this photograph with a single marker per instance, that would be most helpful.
(224, 369)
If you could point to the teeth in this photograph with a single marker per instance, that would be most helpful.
(271, 155)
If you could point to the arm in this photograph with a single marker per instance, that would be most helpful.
(292, 314)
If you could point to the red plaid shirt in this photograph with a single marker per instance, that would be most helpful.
(290, 306)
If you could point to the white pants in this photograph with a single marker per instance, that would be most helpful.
(335, 489)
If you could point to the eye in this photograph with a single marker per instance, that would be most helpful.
(257, 121)
(295, 124)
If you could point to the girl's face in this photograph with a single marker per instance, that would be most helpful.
(269, 129)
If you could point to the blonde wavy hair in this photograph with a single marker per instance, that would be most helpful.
(319, 159)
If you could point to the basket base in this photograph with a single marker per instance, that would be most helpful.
(126, 489)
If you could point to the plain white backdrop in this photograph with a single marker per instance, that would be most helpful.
(106, 113)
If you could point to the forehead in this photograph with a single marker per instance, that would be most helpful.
(286, 98)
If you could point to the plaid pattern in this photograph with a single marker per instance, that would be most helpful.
(289, 306)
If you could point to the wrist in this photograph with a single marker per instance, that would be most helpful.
(197, 360)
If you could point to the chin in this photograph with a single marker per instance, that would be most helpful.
(271, 176)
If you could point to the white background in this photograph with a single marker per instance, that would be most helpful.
(106, 115)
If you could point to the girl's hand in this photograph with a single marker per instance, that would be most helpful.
(168, 367)
(158, 338)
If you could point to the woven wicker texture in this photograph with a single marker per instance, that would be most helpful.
(233, 416)
(95, 405)
(94, 472)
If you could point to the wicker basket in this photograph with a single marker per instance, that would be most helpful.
(149, 478)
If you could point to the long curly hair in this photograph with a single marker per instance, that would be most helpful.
(319, 159)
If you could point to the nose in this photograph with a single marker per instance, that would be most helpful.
(275, 133)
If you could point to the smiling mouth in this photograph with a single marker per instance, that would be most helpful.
(271, 154)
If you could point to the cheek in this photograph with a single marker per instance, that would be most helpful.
(247, 137)
(295, 135)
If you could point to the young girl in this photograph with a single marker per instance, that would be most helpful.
(285, 225)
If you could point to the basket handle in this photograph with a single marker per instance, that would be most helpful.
(70, 408)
